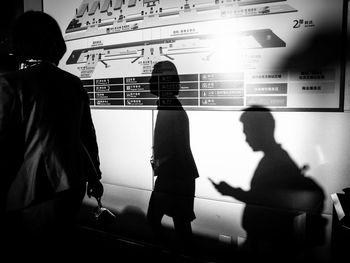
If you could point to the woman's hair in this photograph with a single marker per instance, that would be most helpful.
(37, 35)
(167, 72)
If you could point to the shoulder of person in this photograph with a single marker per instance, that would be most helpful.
(69, 75)
(70, 79)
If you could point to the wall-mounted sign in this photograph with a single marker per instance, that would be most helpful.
(230, 54)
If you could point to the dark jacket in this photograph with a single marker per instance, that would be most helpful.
(176, 172)
(171, 144)
(46, 135)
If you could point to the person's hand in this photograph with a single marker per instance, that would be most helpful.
(224, 188)
(95, 189)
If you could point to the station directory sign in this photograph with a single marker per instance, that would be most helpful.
(230, 54)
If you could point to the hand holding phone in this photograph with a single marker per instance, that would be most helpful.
(222, 187)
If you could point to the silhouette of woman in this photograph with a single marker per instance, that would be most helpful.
(173, 163)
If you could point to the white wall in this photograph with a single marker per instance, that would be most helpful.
(319, 139)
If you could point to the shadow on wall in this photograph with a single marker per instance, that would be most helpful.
(280, 200)
(280, 194)
(173, 163)
(323, 50)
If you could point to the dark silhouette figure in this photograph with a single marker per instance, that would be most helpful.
(173, 163)
(8, 12)
(48, 148)
(279, 192)
(7, 62)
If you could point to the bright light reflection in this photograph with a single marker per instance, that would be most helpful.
(227, 52)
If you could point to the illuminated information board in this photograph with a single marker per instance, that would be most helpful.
(212, 90)
(230, 54)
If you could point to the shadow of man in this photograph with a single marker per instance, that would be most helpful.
(279, 194)
(173, 164)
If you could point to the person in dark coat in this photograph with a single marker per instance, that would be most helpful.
(173, 162)
(48, 150)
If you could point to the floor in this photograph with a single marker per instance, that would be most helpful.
(129, 239)
(104, 245)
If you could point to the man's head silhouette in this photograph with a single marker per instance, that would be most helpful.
(258, 127)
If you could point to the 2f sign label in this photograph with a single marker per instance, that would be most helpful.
(298, 23)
